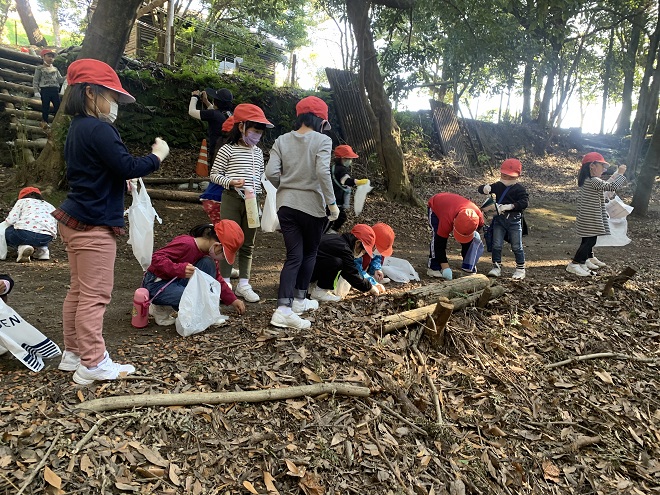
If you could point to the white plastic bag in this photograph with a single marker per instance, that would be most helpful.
(199, 307)
(617, 209)
(361, 196)
(342, 287)
(269, 220)
(25, 342)
(618, 234)
(399, 270)
(3, 240)
(141, 216)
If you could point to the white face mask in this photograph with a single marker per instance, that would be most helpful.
(111, 116)
(347, 162)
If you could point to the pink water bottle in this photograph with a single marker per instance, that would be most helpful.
(140, 313)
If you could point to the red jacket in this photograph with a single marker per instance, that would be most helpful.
(446, 206)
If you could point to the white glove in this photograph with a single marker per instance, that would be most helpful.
(487, 189)
(503, 208)
(37, 95)
(334, 212)
(132, 184)
(374, 290)
(160, 149)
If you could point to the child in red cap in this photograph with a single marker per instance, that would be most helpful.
(31, 227)
(511, 199)
(449, 213)
(337, 256)
(203, 247)
(46, 84)
(91, 217)
(371, 267)
(238, 168)
(592, 219)
(342, 183)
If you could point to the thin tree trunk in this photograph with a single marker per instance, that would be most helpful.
(606, 80)
(29, 23)
(629, 64)
(544, 110)
(4, 12)
(647, 175)
(527, 92)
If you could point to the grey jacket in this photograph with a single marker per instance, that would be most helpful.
(46, 77)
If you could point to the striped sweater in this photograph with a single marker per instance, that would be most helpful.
(591, 214)
(234, 161)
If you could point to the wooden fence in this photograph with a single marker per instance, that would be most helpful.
(452, 138)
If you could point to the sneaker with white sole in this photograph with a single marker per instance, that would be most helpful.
(579, 270)
(69, 362)
(246, 292)
(41, 253)
(518, 274)
(299, 307)
(434, 273)
(591, 266)
(292, 320)
(596, 262)
(234, 273)
(496, 271)
(385, 280)
(162, 314)
(105, 370)
(24, 253)
(324, 295)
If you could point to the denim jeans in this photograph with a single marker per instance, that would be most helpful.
(19, 237)
(512, 224)
(171, 295)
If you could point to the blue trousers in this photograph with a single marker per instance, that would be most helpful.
(19, 237)
(512, 224)
(171, 295)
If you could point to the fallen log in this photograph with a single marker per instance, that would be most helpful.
(20, 101)
(428, 294)
(27, 114)
(174, 180)
(37, 144)
(33, 129)
(21, 88)
(10, 54)
(437, 321)
(418, 316)
(18, 66)
(166, 194)
(128, 401)
(618, 281)
(16, 76)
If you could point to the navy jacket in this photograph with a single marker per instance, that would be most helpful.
(338, 249)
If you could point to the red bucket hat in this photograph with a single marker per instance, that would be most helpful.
(465, 224)
(228, 124)
(345, 151)
(92, 71)
(231, 237)
(27, 190)
(366, 235)
(512, 167)
(384, 238)
(593, 157)
(247, 112)
(314, 105)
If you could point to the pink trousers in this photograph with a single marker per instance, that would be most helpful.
(91, 263)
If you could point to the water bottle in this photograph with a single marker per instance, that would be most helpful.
(140, 313)
(251, 208)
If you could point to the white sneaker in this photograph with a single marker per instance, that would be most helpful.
(596, 262)
(434, 273)
(306, 305)
(162, 315)
(41, 253)
(518, 274)
(221, 321)
(496, 271)
(24, 253)
(246, 292)
(70, 361)
(591, 266)
(578, 270)
(106, 370)
(234, 273)
(385, 281)
(292, 320)
(324, 295)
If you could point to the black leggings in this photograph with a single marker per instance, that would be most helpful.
(48, 95)
(586, 250)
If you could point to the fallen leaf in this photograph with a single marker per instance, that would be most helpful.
(174, 477)
(564, 385)
(250, 487)
(268, 481)
(310, 485)
(550, 471)
(311, 375)
(457, 487)
(294, 470)
(51, 478)
(125, 487)
(605, 376)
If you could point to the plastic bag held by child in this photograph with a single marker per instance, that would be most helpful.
(141, 216)
(361, 196)
(269, 220)
(199, 307)
(3, 240)
(399, 270)
(617, 211)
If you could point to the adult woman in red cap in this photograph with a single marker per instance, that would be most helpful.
(592, 219)
(92, 215)
(450, 214)
(342, 183)
(46, 84)
(238, 168)
(299, 167)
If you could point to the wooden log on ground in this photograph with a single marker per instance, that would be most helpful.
(35, 144)
(618, 281)
(437, 322)
(21, 101)
(14, 76)
(186, 196)
(142, 400)
(27, 114)
(174, 180)
(429, 294)
(14, 87)
(32, 129)
(18, 66)
(18, 56)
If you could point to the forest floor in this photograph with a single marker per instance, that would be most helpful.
(509, 425)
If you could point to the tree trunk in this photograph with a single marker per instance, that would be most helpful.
(629, 63)
(527, 92)
(55, 19)
(4, 12)
(544, 110)
(29, 23)
(105, 40)
(387, 131)
(647, 175)
(606, 80)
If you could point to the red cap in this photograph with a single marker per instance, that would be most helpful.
(465, 224)
(366, 235)
(313, 104)
(384, 238)
(593, 157)
(228, 124)
(46, 51)
(27, 190)
(92, 71)
(345, 151)
(247, 112)
(512, 167)
(231, 237)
